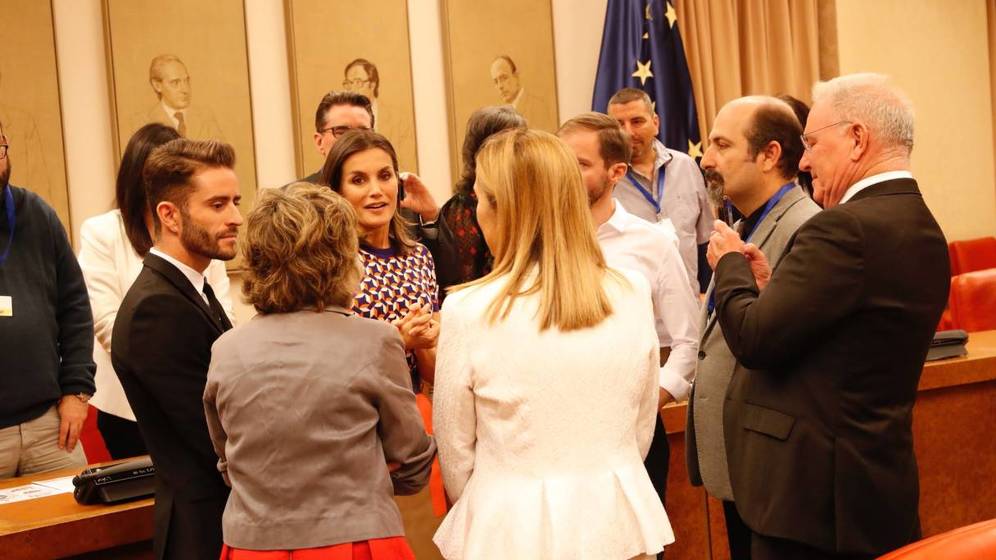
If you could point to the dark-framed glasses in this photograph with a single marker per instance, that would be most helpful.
(338, 131)
(808, 135)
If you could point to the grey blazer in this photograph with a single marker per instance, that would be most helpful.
(705, 447)
(305, 411)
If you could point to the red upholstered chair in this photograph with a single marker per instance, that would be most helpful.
(973, 542)
(93, 442)
(972, 254)
(973, 300)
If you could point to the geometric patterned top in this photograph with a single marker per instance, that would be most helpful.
(393, 284)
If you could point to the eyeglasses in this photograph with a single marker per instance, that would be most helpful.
(338, 131)
(355, 82)
(3, 151)
(805, 137)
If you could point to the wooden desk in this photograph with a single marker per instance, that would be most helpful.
(953, 420)
(58, 527)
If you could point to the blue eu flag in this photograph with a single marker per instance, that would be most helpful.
(641, 48)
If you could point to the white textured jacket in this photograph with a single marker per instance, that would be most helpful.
(542, 435)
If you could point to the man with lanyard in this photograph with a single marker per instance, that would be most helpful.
(753, 157)
(661, 184)
(46, 336)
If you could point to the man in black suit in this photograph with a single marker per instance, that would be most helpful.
(819, 439)
(161, 345)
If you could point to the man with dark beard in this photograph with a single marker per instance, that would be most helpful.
(752, 160)
(161, 345)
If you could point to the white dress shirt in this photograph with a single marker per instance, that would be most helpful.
(873, 180)
(196, 278)
(110, 266)
(631, 243)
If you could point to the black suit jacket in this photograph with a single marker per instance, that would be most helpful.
(161, 349)
(819, 443)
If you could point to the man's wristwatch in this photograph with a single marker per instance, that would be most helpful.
(83, 397)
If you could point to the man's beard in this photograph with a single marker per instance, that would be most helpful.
(715, 186)
(198, 240)
(595, 196)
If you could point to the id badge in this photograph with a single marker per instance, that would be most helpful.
(6, 306)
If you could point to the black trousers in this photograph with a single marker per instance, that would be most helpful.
(738, 534)
(121, 436)
(657, 461)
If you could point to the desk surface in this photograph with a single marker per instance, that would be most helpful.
(57, 526)
(978, 366)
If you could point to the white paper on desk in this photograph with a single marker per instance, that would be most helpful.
(27, 492)
(63, 485)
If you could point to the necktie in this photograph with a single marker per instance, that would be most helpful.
(181, 124)
(216, 308)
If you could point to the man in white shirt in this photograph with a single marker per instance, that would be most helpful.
(661, 183)
(603, 151)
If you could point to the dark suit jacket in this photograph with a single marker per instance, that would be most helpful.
(161, 349)
(819, 443)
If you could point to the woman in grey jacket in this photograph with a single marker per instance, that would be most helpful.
(308, 403)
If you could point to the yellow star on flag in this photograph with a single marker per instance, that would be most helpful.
(643, 71)
(671, 15)
(646, 35)
(647, 14)
(694, 150)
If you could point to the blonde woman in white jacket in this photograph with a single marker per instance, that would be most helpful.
(112, 246)
(546, 378)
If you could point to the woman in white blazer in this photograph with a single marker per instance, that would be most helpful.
(112, 246)
(546, 382)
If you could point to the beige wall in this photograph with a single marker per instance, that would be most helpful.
(937, 51)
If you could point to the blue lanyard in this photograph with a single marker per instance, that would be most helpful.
(767, 208)
(9, 205)
(772, 202)
(656, 203)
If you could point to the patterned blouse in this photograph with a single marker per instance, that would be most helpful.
(471, 257)
(394, 283)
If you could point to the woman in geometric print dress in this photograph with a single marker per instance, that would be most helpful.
(400, 282)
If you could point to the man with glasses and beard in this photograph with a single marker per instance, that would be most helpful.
(161, 345)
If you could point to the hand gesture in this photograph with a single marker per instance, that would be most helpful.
(418, 328)
(418, 199)
(759, 265)
(723, 240)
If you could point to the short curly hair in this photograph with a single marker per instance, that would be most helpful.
(301, 250)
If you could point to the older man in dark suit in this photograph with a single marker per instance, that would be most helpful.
(161, 345)
(819, 440)
(752, 159)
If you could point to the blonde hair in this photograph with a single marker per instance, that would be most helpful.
(545, 237)
(300, 248)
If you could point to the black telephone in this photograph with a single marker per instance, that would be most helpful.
(119, 482)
